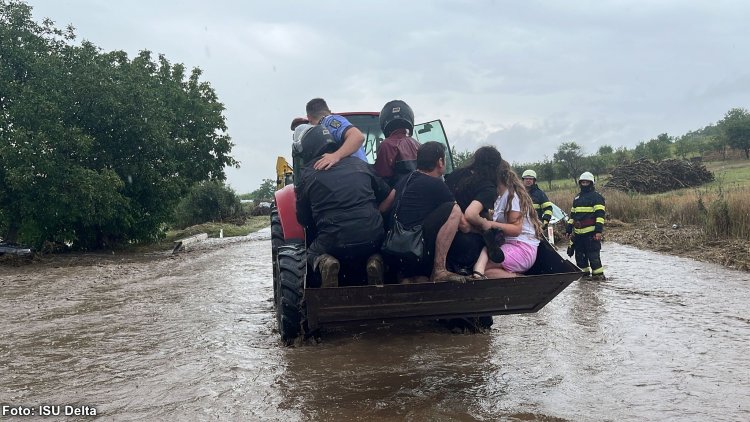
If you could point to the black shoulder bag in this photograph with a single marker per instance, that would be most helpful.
(401, 243)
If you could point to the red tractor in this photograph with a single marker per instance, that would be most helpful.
(302, 307)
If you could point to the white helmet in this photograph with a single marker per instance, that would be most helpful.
(528, 173)
(586, 175)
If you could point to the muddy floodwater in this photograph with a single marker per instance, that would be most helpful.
(193, 338)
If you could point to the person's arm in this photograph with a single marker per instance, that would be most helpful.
(353, 140)
(599, 212)
(384, 194)
(473, 217)
(514, 225)
(387, 203)
(546, 207)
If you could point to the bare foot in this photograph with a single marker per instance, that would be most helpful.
(446, 275)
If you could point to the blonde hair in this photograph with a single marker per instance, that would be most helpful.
(515, 186)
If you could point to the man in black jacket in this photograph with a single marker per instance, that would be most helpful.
(341, 209)
(542, 204)
(586, 224)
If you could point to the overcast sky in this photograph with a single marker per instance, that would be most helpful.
(524, 76)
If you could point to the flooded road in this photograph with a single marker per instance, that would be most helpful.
(193, 338)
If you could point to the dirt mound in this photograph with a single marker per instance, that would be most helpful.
(646, 176)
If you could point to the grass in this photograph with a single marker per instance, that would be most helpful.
(252, 224)
(721, 209)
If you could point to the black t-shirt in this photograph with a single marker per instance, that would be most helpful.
(483, 191)
(423, 195)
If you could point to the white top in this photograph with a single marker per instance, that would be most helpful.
(528, 234)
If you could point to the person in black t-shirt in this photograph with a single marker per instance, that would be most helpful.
(423, 198)
(475, 186)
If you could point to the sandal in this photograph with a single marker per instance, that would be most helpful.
(476, 275)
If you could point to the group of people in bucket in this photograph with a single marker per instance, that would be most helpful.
(480, 221)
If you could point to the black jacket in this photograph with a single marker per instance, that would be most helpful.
(587, 213)
(340, 204)
(542, 205)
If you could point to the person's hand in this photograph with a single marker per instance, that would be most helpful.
(598, 237)
(326, 161)
(567, 235)
(545, 225)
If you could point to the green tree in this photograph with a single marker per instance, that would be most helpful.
(570, 157)
(265, 191)
(461, 157)
(735, 127)
(621, 156)
(605, 150)
(686, 145)
(207, 201)
(547, 171)
(95, 148)
(660, 147)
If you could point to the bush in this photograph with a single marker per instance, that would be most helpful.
(207, 201)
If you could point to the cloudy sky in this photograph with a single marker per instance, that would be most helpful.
(524, 76)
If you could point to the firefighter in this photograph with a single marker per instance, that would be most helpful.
(397, 154)
(542, 205)
(586, 224)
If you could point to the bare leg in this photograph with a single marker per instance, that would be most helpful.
(499, 272)
(481, 264)
(443, 243)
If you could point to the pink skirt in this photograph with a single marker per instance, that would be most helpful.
(519, 256)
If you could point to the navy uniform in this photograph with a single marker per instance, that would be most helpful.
(586, 220)
(541, 203)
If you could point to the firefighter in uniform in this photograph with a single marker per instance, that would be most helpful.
(542, 205)
(586, 224)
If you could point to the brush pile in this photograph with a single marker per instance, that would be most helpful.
(646, 176)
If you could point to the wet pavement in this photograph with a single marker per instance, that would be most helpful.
(193, 338)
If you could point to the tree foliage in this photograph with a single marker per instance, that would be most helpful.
(264, 192)
(96, 148)
(570, 156)
(207, 201)
(735, 128)
(461, 157)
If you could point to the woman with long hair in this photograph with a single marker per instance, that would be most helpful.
(475, 187)
(514, 214)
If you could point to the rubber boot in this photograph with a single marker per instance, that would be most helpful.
(375, 270)
(329, 271)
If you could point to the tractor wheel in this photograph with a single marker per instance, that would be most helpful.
(291, 312)
(277, 239)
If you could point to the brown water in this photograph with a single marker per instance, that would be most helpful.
(193, 338)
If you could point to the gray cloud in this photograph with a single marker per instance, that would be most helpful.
(524, 76)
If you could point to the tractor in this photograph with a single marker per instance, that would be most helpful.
(302, 306)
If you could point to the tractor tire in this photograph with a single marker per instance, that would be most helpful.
(277, 239)
(291, 312)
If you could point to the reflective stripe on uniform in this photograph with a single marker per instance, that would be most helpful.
(546, 204)
(597, 271)
(599, 220)
(583, 209)
(584, 230)
(598, 208)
